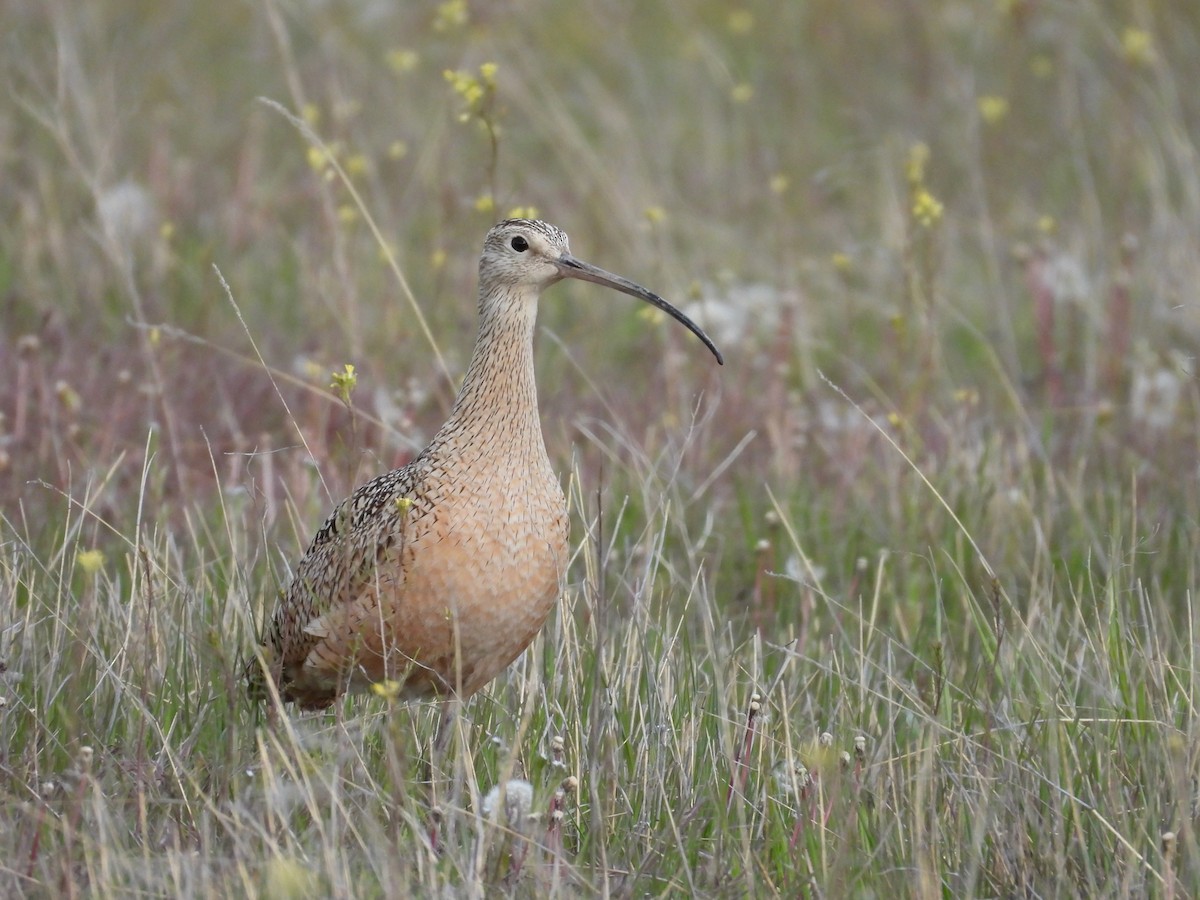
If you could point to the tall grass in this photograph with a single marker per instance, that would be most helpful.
(900, 600)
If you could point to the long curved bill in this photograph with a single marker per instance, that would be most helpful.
(570, 267)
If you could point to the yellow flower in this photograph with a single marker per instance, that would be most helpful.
(918, 158)
(523, 212)
(651, 314)
(402, 61)
(1046, 224)
(91, 561)
(404, 504)
(317, 160)
(438, 259)
(344, 382)
(387, 689)
(1041, 66)
(347, 214)
(397, 150)
(68, 396)
(926, 209)
(356, 164)
(310, 113)
(993, 109)
(1137, 46)
(842, 263)
(780, 183)
(655, 214)
(484, 203)
(450, 15)
(474, 91)
(740, 21)
(464, 84)
(742, 93)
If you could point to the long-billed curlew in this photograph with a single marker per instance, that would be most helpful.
(438, 574)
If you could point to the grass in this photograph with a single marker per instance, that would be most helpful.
(900, 601)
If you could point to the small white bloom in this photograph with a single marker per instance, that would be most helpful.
(126, 212)
(1065, 277)
(518, 801)
(789, 776)
(733, 312)
(797, 570)
(1154, 398)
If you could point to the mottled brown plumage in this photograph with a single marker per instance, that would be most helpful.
(438, 574)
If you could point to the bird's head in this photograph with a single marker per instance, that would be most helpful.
(522, 253)
(523, 257)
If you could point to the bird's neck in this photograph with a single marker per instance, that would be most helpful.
(496, 411)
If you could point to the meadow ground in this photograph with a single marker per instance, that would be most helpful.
(897, 603)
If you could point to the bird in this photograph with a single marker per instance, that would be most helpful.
(432, 578)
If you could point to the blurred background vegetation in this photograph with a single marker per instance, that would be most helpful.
(949, 250)
(752, 159)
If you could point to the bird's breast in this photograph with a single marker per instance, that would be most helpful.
(490, 565)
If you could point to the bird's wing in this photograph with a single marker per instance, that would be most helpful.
(357, 550)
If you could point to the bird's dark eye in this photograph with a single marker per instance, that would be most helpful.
(519, 244)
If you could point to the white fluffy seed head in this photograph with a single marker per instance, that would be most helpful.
(517, 799)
